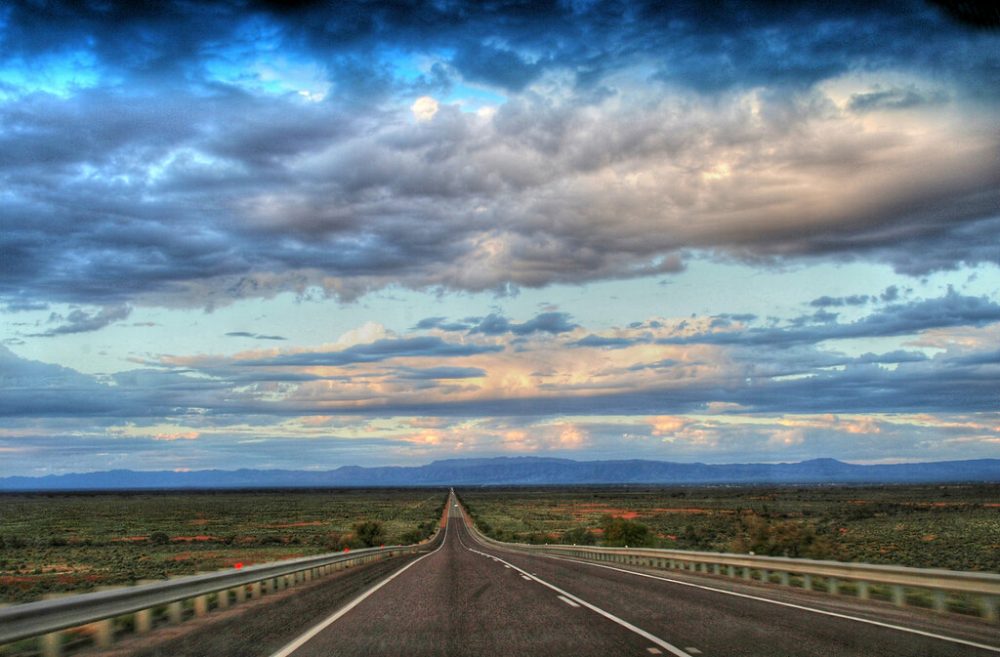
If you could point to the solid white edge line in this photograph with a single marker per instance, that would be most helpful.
(568, 601)
(674, 650)
(890, 626)
(316, 629)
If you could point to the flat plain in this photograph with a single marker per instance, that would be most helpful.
(54, 543)
(933, 526)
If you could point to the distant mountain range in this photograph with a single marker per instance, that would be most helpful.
(525, 470)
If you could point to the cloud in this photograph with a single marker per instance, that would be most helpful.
(254, 336)
(80, 321)
(433, 373)
(599, 341)
(895, 99)
(852, 300)
(380, 350)
(552, 323)
(953, 309)
(618, 141)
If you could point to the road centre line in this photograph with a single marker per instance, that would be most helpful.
(890, 626)
(672, 649)
(304, 638)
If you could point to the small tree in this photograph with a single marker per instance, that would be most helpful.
(370, 533)
(579, 536)
(619, 532)
(159, 538)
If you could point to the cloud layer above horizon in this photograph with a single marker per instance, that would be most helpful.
(385, 232)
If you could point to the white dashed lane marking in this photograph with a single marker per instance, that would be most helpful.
(654, 651)
(693, 651)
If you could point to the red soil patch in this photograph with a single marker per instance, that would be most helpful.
(683, 511)
(311, 523)
(129, 539)
(582, 510)
(193, 539)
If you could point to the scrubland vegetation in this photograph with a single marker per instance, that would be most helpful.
(52, 543)
(954, 527)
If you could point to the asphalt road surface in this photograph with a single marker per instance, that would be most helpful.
(467, 598)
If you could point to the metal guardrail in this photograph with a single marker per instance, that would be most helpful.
(48, 618)
(948, 589)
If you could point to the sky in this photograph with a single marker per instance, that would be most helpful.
(304, 235)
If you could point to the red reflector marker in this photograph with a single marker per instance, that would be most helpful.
(238, 565)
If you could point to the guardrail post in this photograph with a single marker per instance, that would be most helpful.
(746, 573)
(103, 632)
(255, 590)
(807, 582)
(201, 605)
(731, 571)
(864, 590)
(786, 579)
(832, 586)
(222, 599)
(143, 621)
(898, 596)
(175, 612)
(939, 600)
(51, 644)
(988, 608)
(241, 593)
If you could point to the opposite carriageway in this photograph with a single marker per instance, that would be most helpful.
(472, 597)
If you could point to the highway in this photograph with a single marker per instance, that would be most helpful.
(467, 598)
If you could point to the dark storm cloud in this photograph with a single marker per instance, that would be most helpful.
(170, 175)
